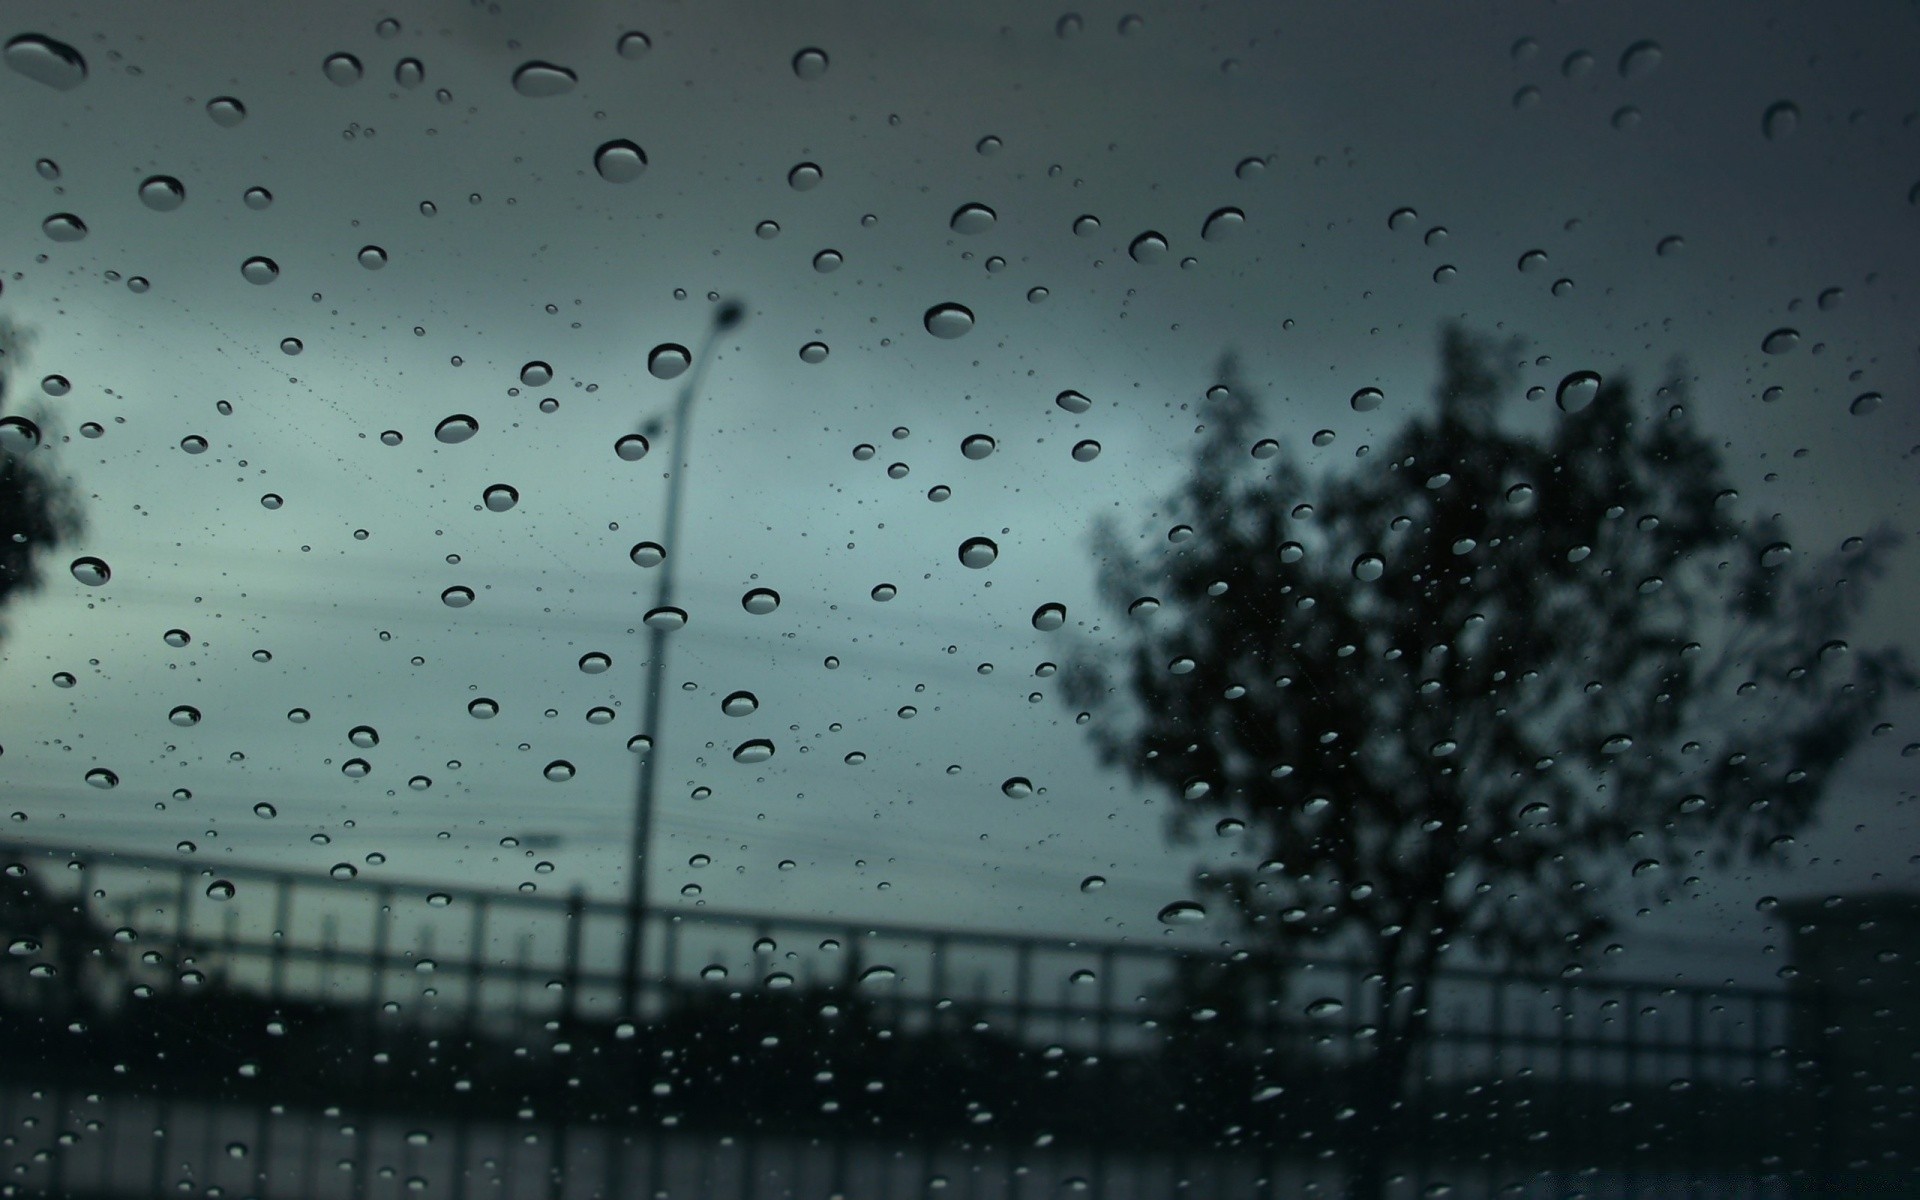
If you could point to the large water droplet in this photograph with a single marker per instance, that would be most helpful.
(91, 571)
(1073, 402)
(538, 80)
(977, 446)
(409, 73)
(814, 353)
(740, 704)
(102, 778)
(827, 261)
(805, 177)
(371, 257)
(647, 554)
(972, 218)
(668, 360)
(1640, 59)
(1183, 912)
(559, 770)
(666, 616)
(184, 715)
(226, 111)
(1577, 391)
(341, 69)
(500, 497)
(162, 193)
(757, 750)
(1147, 249)
(810, 63)
(1780, 341)
(1780, 120)
(1086, 225)
(1402, 218)
(1366, 399)
(1865, 403)
(1369, 567)
(44, 60)
(760, 601)
(949, 320)
(64, 227)
(1049, 617)
(356, 768)
(632, 448)
(343, 871)
(483, 708)
(633, 45)
(1221, 224)
(595, 662)
(259, 270)
(620, 161)
(18, 435)
(1086, 451)
(456, 429)
(883, 592)
(1019, 787)
(977, 552)
(457, 597)
(1093, 883)
(1776, 555)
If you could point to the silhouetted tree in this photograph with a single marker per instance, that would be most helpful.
(1483, 685)
(36, 508)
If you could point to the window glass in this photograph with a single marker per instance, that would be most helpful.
(762, 600)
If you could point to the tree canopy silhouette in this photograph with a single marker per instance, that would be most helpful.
(1486, 684)
(37, 511)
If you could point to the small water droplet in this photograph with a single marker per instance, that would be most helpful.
(949, 321)
(1222, 223)
(1577, 391)
(1366, 399)
(760, 601)
(538, 80)
(1182, 912)
(162, 193)
(972, 219)
(1325, 1006)
(409, 73)
(978, 552)
(44, 60)
(810, 63)
(668, 360)
(226, 111)
(1780, 120)
(1780, 341)
(356, 768)
(456, 429)
(620, 161)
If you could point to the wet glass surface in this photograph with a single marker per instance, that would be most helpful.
(759, 601)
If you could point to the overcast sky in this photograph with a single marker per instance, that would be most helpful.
(1484, 119)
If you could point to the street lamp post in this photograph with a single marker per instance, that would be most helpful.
(725, 317)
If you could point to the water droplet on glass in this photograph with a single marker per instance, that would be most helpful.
(483, 708)
(64, 227)
(372, 257)
(813, 353)
(102, 778)
(1147, 249)
(1780, 341)
(1049, 617)
(620, 161)
(226, 111)
(1776, 555)
(1369, 567)
(1018, 787)
(884, 592)
(258, 270)
(1639, 59)
(91, 571)
(1086, 451)
(184, 715)
(1366, 399)
(18, 435)
(810, 63)
(1865, 403)
(1577, 391)
(760, 601)
(343, 871)
(1086, 225)
(1182, 912)
(47, 169)
(1221, 224)
(409, 73)
(977, 552)
(1780, 120)
(740, 704)
(265, 811)
(298, 716)
(1073, 402)
(757, 750)
(56, 385)
(827, 261)
(987, 146)
(456, 429)
(47, 61)
(632, 448)
(559, 770)
(220, 889)
(977, 446)
(594, 662)
(1325, 1006)
(972, 218)
(647, 554)
(538, 80)
(949, 320)
(805, 177)
(668, 360)
(457, 597)
(356, 768)
(665, 617)
(162, 193)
